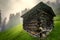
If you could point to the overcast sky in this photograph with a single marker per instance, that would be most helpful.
(8, 7)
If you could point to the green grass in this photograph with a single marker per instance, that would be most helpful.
(57, 18)
(55, 34)
(17, 33)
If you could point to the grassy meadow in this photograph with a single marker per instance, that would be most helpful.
(17, 33)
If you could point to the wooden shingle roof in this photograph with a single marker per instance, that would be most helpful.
(40, 6)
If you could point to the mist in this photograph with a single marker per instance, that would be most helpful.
(8, 7)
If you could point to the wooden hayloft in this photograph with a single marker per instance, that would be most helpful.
(39, 20)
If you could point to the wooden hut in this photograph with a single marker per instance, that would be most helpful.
(39, 20)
